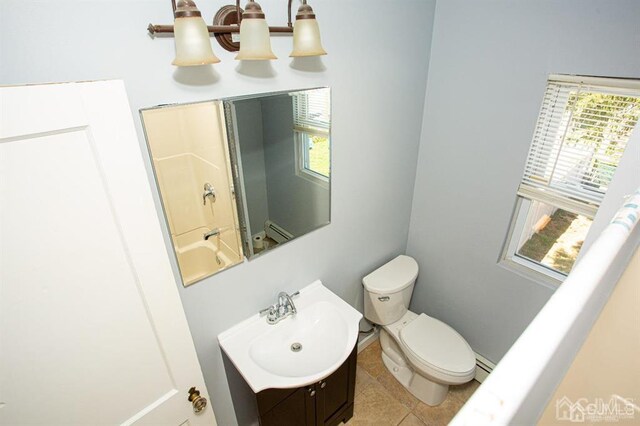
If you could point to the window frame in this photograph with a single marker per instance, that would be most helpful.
(301, 155)
(509, 259)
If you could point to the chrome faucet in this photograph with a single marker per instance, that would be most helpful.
(213, 232)
(285, 304)
(209, 191)
(279, 311)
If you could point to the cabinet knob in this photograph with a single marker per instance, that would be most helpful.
(322, 385)
(312, 392)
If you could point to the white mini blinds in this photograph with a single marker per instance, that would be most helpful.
(582, 130)
(311, 111)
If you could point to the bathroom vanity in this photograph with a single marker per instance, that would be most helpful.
(329, 401)
(298, 358)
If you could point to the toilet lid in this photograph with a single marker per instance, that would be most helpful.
(438, 345)
(393, 276)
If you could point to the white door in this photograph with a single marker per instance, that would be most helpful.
(92, 330)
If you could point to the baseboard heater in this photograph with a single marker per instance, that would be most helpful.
(483, 368)
(276, 232)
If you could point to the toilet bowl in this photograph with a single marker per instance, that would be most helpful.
(424, 354)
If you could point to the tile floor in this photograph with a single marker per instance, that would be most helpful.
(381, 400)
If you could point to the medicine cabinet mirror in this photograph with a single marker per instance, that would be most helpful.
(280, 147)
(190, 157)
(240, 176)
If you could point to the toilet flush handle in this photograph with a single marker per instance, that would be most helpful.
(384, 298)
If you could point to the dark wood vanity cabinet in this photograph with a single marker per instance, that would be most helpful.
(327, 402)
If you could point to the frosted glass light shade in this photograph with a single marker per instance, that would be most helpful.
(193, 45)
(306, 38)
(255, 43)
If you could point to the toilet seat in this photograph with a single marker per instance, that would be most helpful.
(437, 350)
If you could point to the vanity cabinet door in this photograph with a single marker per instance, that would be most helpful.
(327, 402)
(336, 393)
(298, 409)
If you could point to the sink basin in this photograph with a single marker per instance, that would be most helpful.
(299, 350)
(320, 335)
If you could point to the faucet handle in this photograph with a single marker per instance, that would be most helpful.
(209, 191)
(297, 293)
(271, 312)
(268, 310)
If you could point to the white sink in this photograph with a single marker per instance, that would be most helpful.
(325, 327)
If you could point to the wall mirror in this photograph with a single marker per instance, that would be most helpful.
(240, 176)
(189, 152)
(281, 150)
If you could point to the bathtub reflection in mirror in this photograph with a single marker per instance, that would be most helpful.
(280, 146)
(189, 152)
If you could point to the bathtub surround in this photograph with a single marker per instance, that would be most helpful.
(618, 321)
(371, 102)
(188, 147)
(466, 179)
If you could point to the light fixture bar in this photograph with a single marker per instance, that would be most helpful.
(213, 29)
(222, 29)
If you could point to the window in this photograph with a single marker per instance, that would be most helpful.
(311, 118)
(580, 137)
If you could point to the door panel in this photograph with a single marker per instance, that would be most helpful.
(298, 409)
(91, 325)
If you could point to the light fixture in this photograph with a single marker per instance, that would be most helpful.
(193, 46)
(306, 33)
(255, 43)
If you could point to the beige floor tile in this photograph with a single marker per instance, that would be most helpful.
(463, 392)
(375, 406)
(440, 415)
(382, 400)
(363, 380)
(371, 360)
(411, 420)
(394, 387)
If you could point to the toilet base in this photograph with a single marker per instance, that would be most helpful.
(427, 391)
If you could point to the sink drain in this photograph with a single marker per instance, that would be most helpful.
(296, 347)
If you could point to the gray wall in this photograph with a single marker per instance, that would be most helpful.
(295, 203)
(489, 64)
(378, 83)
(254, 175)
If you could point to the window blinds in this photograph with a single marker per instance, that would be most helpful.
(580, 136)
(311, 111)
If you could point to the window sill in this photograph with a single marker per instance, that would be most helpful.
(313, 178)
(539, 277)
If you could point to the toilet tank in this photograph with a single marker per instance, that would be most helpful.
(388, 289)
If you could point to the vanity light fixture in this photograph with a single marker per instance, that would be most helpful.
(255, 43)
(306, 33)
(191, 34)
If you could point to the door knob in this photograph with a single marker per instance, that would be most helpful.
(199, 402)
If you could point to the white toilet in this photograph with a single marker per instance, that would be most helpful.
(424, 354)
